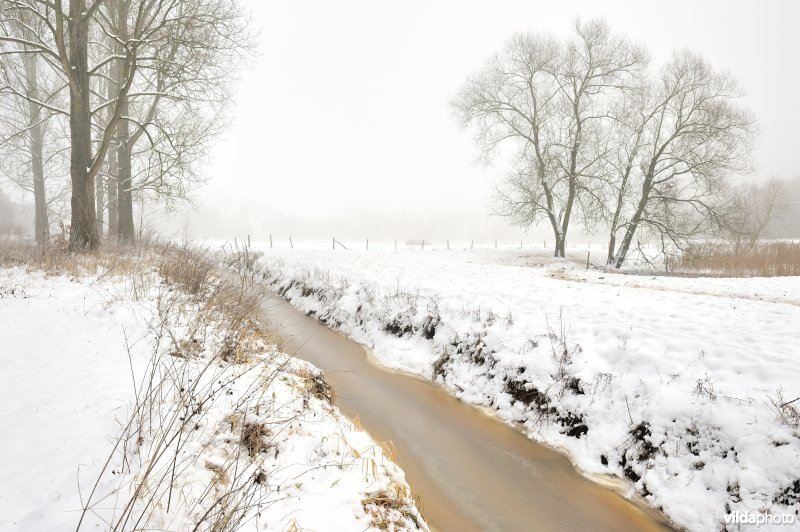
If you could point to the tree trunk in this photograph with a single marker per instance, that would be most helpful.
(41, 220)
(41, 223)
(612, 244)
(550, 214)
(562, 240)
(124, 149)
(99, 205)
(573, 181)
(612, 234)
(561, 244)
(625, 245)
(124, 192)
(113, 174)
(83, 231)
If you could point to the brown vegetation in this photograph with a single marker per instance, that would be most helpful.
(773, 259)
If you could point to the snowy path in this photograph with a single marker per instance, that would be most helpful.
(472, 471)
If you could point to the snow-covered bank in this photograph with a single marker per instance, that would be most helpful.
(126, 367)
(684, 387)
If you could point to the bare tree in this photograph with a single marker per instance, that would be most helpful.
(627, 134)
(10, 216)
(755, 207)
(551, 103)
(178, 103)
(693, 137)
(121, 59)
(30, 149)
(65, 45)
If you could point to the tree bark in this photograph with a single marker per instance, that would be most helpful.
(113, 213)
(124, 192)
(41, 222)
(612, 234)
(99, 206)
(625, 245)
(124, 150)
(83, 231)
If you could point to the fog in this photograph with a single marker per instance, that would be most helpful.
(342, 124)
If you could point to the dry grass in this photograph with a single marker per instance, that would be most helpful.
(389, 508)
(55, 260)
(254, 438)
(772, 259)
(206, 320)
(315, 385)
(209, 322)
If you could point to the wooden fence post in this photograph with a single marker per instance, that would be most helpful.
(270, 240)
(368, 244)
(291, 243)
(587, 259)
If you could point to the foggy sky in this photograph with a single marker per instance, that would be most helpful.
(343, 126)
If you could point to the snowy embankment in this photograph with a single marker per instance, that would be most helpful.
(128, 403)
(683, 387)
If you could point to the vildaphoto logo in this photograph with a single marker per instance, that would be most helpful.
(758, 519)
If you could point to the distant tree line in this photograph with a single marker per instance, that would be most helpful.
(595, 134)
(122, 96)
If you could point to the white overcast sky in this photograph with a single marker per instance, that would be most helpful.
(342, 125)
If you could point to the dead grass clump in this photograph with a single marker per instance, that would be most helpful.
(315, 385)
(232, 302)
(773, 259)
(254, 438)
(390, 509)
(788, 412)
(220, 476)
(189, 269)
(187, 349)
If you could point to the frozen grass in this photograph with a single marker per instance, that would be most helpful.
(771, 259)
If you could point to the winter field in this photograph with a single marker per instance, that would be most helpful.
(685, 389)
(139, 393)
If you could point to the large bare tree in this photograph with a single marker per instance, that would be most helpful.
(549, 102)
(65, 45)
(125, 63)
(691, 136)
(178, 103)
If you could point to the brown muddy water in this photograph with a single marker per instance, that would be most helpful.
(470, 470)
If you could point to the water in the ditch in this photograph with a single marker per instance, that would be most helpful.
(470, 470)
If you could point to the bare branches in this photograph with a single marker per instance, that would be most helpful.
(694, 137)
(551, 103)
(590, 132)
(126, 67)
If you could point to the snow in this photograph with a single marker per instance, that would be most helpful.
(666, 382)
(75, 353)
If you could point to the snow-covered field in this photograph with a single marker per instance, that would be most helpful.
(101, 368)
(683, 387)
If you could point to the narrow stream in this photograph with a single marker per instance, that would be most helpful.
(470, 470)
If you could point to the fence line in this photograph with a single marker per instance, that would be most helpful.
(420, 244)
